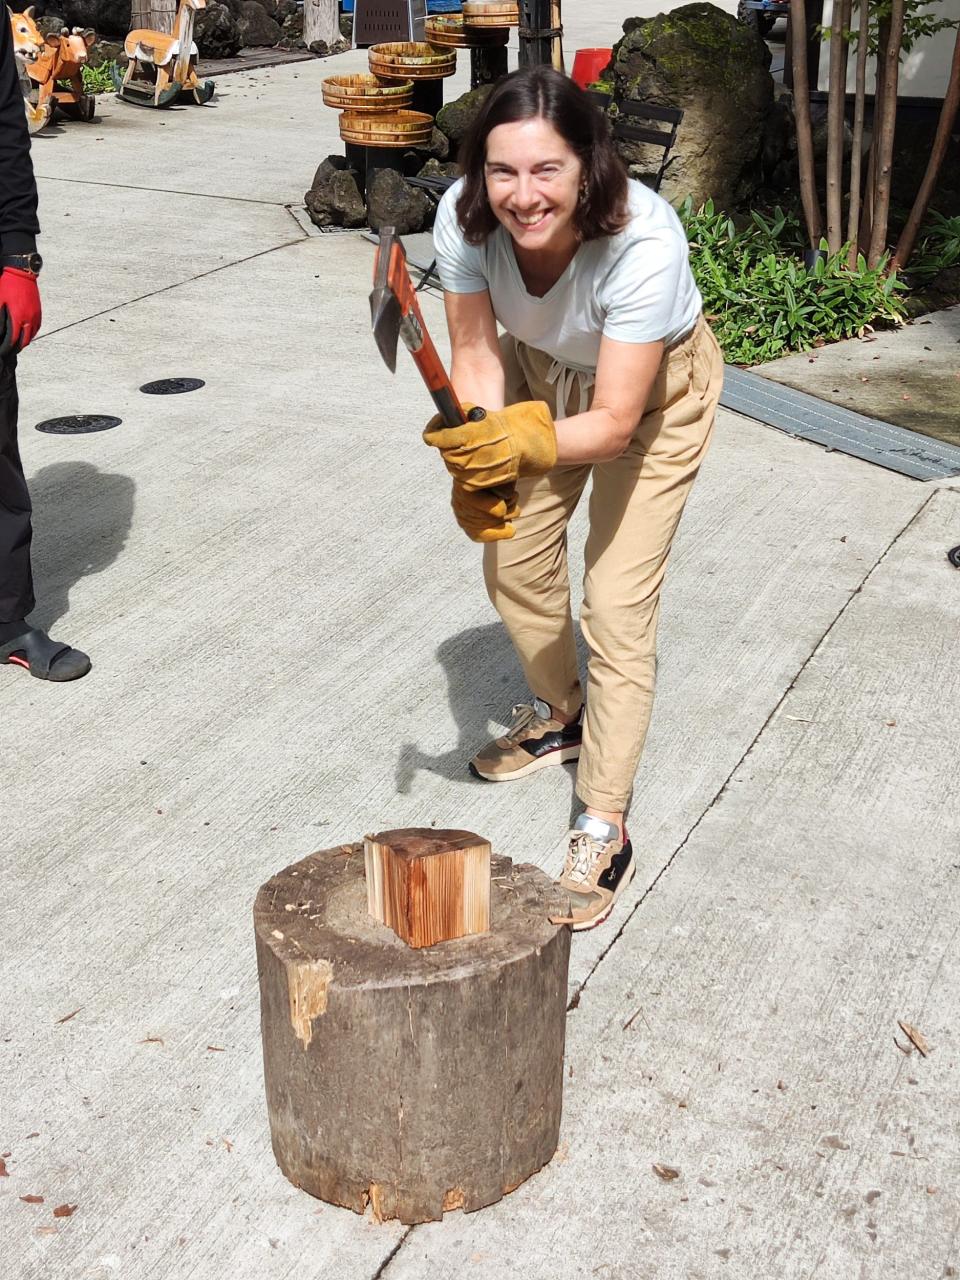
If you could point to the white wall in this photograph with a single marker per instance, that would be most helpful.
(923, 73)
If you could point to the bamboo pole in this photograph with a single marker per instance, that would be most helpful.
(836, 112)
(801, 96)
(856, 157)
(948, 116)
(886, 133)
(557, 42)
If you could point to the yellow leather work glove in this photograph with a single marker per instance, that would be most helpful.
(485, 515)
(504, 445)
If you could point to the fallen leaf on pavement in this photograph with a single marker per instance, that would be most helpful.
(227, 1143)
(915, 1037)
(835, 1143)
(32, 1199)
(3, 1169)
(67, 1017)
(665, 1172)
(65, 1210)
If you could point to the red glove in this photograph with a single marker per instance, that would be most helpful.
(20, 315)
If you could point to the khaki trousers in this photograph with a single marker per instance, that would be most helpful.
(635, 507)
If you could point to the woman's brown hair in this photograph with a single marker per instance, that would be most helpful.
(542, 92)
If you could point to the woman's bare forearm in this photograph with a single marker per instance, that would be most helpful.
(477, 383)
(595, 436)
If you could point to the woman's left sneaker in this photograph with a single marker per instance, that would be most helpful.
(598, 867)
(533, 741)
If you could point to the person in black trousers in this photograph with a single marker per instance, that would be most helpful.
(20, 643)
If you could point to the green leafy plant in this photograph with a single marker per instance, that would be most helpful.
(762, 301)
(99, 79)
(938, 249)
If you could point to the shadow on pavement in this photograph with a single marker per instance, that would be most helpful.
(484, 680)
(81, 519)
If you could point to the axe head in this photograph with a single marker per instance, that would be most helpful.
(387, 299)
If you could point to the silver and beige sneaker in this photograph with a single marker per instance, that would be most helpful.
(533, 741)
(599, 866)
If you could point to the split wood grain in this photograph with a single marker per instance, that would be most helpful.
(428, 886)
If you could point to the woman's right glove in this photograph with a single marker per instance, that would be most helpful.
(485, 515)
(502, 446)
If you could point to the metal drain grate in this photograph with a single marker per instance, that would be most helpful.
(78, 424)
(172, 386)
(841, 430)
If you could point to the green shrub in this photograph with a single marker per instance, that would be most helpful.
(99, 79)
(939, 248)
(762, 301)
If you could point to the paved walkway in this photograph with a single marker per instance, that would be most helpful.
(292, 646)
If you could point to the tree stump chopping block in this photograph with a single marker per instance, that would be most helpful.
(413, 1080)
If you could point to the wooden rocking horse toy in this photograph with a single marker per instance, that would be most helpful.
(27, 48)
(63, 58)
(162, 66)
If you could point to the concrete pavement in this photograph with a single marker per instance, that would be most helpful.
(292, 646)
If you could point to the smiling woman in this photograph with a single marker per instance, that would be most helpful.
(606, 370)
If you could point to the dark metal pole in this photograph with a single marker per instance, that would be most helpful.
(535, 34)
(487, 65)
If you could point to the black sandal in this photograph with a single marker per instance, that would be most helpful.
(44, 658)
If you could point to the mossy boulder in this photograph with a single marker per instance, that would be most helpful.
(217, 32)
(334, 198)
(455, 119)
(718, 70)
(391, 202)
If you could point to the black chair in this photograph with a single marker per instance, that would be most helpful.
(634, 122)
(434, 187)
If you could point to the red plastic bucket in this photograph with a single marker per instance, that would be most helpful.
(587, 65)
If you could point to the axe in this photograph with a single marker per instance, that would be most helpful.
(395, 313)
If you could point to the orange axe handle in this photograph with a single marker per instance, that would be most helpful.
(396, 314)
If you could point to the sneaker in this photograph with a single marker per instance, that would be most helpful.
(598, 868)
(533, 741)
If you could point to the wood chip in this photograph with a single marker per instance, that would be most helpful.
(665, 1172)
(32, 1199)
(67, 1017)
(915, 1037)
(151, 1040)
(216, 1048)
(65, 1211)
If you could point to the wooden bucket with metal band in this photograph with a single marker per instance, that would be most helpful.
(393, 129)
(411, 60)
(491, 13)
(366, 93)
(450, 32)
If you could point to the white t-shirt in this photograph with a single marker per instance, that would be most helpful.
(635, 286)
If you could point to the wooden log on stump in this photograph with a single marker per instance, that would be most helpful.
(428, 886)
(412, 1080)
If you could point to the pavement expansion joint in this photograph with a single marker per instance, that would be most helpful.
(815, 649)
(838, 429)
(167, 288)
(160, 191)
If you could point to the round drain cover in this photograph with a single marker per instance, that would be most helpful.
(953, 555)
(79, 424)
(172, 386)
